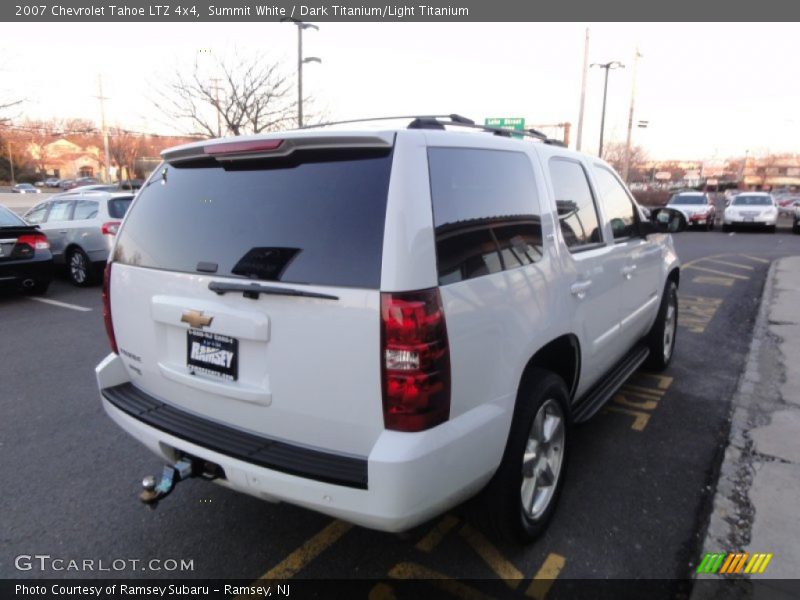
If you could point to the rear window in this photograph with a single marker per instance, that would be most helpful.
(9, 219)
(117, 207)
(315, 218)
(485, 211)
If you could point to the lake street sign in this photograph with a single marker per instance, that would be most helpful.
(513, 123)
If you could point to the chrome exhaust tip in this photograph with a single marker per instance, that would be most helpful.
(28, 283)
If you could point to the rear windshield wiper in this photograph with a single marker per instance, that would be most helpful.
(252, 290)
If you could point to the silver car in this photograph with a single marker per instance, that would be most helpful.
(81, 226)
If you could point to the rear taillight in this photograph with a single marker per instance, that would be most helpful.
(37, 241)
(415, 360)
(110, 228)
(107, 309)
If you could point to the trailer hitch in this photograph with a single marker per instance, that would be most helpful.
(152, 493)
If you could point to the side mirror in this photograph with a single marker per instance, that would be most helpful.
(665, 220)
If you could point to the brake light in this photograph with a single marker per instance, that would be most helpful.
(247, 147)
(110, 228)
(107, 309)
(415, 361)
(37, 241)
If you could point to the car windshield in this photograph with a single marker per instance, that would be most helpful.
(752, 201)
(687, 199)
(9, 219)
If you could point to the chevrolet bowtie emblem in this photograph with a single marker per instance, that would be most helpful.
(196, 319)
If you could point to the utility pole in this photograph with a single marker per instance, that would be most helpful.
(579, 136)
(627, 164)
(11, 163)
(102, 99)
(607, 66)
(300, 62)
(215, 82)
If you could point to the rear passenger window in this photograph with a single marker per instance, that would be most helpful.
(485, 212)
(85, 209)
(577, 210)
(617, 205)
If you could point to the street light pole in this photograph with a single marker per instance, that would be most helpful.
(627, 166)
(607, 66)
(300, 62)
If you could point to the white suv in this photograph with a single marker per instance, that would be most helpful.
(377, 324)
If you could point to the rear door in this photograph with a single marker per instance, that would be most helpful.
(246, 290)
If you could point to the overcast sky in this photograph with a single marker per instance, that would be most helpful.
(708, 90)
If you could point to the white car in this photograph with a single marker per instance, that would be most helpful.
(377, 325)
(751, 209)
(697, 207)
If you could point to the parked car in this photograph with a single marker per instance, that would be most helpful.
(796, 219)
(81, 227)
(461, 298)
(84, 181)
(25, 258)
(99, 187)
(52, 182)
(66, 184)
(697, 207)
(25, 188)
(751, 209)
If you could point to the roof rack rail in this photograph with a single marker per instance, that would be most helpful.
(456, 120)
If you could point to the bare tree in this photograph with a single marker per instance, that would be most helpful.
(614, 154)
(124, 148)
(247, 95)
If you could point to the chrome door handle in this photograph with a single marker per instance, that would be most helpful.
(628, 271)
(579, 289)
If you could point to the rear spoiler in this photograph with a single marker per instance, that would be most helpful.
(235, 149)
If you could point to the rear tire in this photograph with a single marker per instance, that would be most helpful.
(772, 228)
(661, 339)
(521, 498)
(79, 268)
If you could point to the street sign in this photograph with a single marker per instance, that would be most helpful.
(513, 123)
(663, 175)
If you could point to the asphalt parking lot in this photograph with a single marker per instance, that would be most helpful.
(636, 497)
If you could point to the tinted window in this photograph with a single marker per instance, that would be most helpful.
(9, 219)
(117, 207)
(485, 212)
(313, 218)
(616, 203)
(85, 209)
(36, 215)
(60, 211)
(577, 212)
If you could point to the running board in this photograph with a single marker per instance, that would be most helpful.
(601, 393)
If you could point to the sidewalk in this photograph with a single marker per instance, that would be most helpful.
(757, 502)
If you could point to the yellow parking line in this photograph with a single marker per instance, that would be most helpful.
(640, 419)
(546, 576)
(730, 264)
(491, 555)
(382, 591)
(443, 582)
(706, 269)
(297, 560)
(714, 280)
(437, 534)
(755, 258)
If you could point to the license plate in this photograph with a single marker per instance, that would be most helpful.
(212, 354)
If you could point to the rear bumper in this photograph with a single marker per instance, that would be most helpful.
(14, 273)
(410, 477)
(755, 222)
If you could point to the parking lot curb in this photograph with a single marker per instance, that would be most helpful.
(749, 506)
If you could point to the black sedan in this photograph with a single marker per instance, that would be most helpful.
(25, 259)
